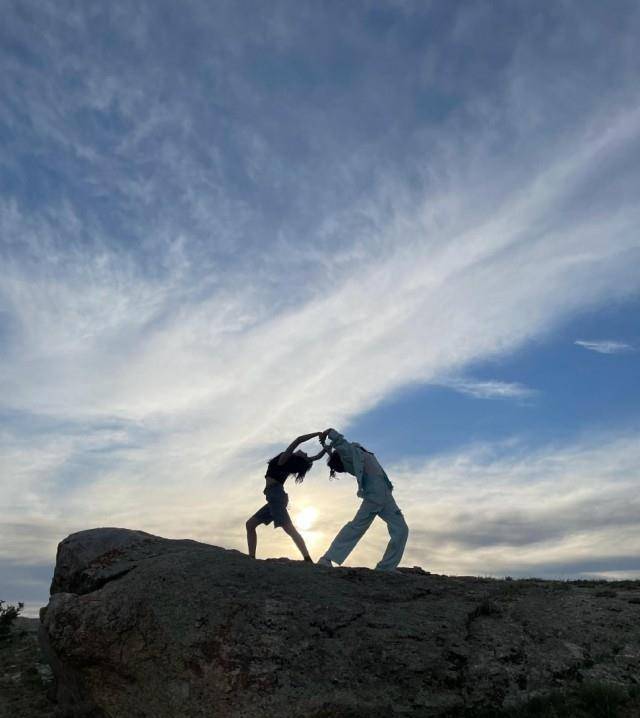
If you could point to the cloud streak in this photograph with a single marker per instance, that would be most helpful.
(605, 347)
(559, 511)
(489, 389)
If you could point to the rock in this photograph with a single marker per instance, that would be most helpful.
(87, 560)
(139, 626)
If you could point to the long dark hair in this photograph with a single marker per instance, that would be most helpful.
(296, 465)
(335, 465)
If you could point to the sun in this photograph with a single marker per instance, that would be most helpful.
(306, 518)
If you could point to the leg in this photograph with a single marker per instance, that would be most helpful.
(297, 540)
(252, 536)
(349, 535)
(398, 533)
(262, 516)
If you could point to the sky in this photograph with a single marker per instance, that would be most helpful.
(226, 224)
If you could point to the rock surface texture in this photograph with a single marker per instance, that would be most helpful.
(139, 626)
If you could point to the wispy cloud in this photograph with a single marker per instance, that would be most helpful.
(556, 511)
(216, 241)
(489, 389)
(605, 347)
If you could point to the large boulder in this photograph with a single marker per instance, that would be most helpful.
(141, 626)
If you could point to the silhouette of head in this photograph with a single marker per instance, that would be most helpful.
(298, 464)
(335, 465)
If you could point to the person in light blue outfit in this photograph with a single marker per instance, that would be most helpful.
(376, 492)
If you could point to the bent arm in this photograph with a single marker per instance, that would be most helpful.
(286, 454)
(319, 455)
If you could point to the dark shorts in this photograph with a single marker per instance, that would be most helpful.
(276, 507)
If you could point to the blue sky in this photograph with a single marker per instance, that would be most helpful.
(222, 225)
(550, 389)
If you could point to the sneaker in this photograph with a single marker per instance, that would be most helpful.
(324, 561)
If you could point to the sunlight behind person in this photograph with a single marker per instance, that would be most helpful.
(306, 518)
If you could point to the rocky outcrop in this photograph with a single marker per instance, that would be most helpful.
(143, 626)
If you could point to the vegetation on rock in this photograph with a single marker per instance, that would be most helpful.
(8, 615)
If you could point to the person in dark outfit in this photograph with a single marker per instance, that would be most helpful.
(291, 461)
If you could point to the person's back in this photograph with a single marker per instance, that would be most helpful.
(371, 464)
(277, 472)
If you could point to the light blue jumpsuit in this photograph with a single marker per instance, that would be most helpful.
(375, 489)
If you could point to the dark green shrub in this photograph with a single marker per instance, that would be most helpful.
(8, 615)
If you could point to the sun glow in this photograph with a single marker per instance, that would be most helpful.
(306, 518)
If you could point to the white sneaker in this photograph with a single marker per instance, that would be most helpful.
(324, 561)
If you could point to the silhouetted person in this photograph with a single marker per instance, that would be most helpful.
(375, 489)
(279, 469)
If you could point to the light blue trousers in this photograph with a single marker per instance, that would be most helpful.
(386, 508)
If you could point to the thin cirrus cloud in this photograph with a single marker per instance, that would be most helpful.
(489, 389)
(210, 272)
(605, 347)
(193, 376)
(558, 511)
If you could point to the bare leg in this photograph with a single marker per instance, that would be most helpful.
(297, 540)
(252, 536)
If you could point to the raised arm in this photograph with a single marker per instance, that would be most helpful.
(286, 454)
(332, 435)
(324, 451)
